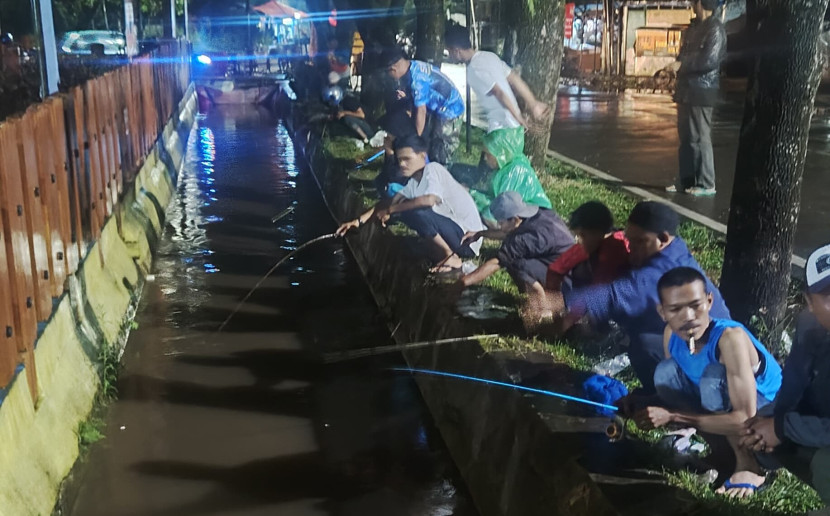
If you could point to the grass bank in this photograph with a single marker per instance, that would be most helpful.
(568, 187)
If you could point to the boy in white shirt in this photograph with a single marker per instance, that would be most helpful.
(432, 204)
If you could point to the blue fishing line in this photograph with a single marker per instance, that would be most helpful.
(503, 384)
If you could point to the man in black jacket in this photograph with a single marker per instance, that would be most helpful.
(795, 430)
(698, 80)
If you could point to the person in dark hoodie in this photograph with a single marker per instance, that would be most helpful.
(794, 431)
(698, 80)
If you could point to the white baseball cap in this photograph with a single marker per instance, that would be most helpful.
(818, 270)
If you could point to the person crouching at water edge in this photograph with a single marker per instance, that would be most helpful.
(532, 238)
(715, 375)
(432, 204)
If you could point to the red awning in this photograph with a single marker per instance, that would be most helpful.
(276, 9)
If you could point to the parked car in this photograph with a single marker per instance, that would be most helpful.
(80, 42)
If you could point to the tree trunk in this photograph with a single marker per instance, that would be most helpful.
(766, 196)
(541, 31)
(429, 43)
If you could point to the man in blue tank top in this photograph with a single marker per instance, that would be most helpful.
(716, 374)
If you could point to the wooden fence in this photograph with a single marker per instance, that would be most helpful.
(64, 165)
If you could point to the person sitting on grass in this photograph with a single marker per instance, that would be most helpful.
(350, 112)
(533, 238)
(600, 255)
(503, 153)
(631, 299)
(794, 431)
(389, 181)
(715, 374)
(432, 204)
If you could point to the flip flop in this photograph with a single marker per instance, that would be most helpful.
(756, 489)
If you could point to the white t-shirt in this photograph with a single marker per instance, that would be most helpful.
(485, 71)
(456, 203)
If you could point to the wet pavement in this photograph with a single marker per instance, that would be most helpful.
(634, 138)
(250, 421)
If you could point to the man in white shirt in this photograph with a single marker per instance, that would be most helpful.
(432, 204)
(494, 83)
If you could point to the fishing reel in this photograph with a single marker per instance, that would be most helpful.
(615, 431)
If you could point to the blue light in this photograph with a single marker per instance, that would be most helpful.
(503, 384)
(203, 59)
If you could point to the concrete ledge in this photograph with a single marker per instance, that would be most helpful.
(39, 436)
(510, 460)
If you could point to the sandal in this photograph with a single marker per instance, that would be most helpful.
(769, 478)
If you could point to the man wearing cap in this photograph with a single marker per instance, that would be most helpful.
(437, 102)
(632, 299)
(533, 238)
(795, 430)
(698, 79)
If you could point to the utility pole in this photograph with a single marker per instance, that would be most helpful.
(168, 12)
(48, 56)
(470, 32)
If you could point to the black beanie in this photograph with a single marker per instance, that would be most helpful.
(655, 217)
(710, 5)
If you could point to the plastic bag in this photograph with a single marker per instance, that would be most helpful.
(515, 172)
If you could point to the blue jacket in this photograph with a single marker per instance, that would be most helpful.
(802, 407)
(632, 300)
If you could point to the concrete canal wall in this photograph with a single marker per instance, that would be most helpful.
(39, 437)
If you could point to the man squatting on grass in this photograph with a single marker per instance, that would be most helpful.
(432, 204)
(794, 431)
(533, 237)
(437, 103)
(631, 300)
(714, 376)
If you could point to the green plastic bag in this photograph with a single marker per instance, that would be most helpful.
(515, 172)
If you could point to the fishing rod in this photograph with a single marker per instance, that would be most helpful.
(566, 397)
(614, 430)
(282, 214)
(342, 356)
(267, 274)
(370, 159)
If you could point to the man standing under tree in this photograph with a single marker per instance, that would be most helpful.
(702, 51)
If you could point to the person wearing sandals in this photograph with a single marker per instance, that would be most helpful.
(715, 374)
(698, 80)
(432, 204)
(794, 432)
(533, 237)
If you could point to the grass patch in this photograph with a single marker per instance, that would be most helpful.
(109, 364)
(568, 187)
(786, 496)
(90, 431)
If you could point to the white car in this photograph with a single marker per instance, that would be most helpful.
(79, 42)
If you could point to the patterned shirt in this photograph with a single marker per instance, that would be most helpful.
(433, 89)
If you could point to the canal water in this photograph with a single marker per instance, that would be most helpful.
(249, 421)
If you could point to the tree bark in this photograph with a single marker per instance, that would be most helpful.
(540, 27)
(766, 196)
(429, 44)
